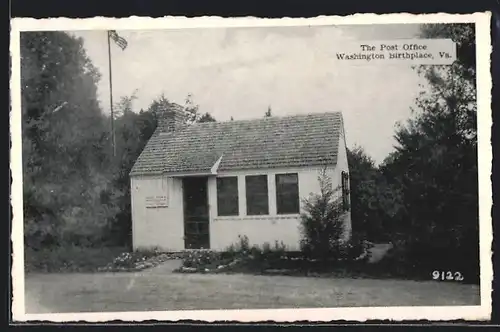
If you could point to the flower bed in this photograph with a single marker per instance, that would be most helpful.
(207, 261)
(242, 258)
(138, 261)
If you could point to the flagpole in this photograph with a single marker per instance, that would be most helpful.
(111, 97)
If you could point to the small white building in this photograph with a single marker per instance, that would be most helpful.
(202, 185)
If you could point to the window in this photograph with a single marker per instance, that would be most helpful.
(287, 193)
(257, 195)
(345, 190)
(227, 196)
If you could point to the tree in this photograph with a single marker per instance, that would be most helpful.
(130, 128)
(435, 163)
(362, 180)
(206, 117)
(322, 222)
(193, 110)
(162, 104)
(74, 190)
(375, 203)
(464, 36)
(268, 112)
(65, 140)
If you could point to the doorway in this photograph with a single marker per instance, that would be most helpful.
(196, 213)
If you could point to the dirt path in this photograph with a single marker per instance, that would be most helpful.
(166, 267)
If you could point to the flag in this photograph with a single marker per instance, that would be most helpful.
(120, 41)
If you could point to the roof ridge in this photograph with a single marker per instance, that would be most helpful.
(274, 117)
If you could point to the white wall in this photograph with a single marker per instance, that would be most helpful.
(342, 165)
(224, 231)
(161, 226)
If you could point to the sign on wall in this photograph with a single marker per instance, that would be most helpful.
(156, 201)
(158, 194)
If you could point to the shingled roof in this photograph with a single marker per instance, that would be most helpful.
(291, 141)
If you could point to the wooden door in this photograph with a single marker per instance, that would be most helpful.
(196, 213)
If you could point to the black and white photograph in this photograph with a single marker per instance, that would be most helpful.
(252, 169)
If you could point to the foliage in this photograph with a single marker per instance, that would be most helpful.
(137, 261)
(65, 142)
(373, 202)
(424, 196)
(357, 249)
(193, 110)
(237, 257)
(201, 259)
(434, 167)
(464, 36)
(244, 251)
(205, 117)
(268, 113)
(322, 222)
(76, 192)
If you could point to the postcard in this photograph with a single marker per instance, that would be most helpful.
(251, 169)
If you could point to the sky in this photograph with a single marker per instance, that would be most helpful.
(240, 72)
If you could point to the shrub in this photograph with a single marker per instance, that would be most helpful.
(201, 258)
(240, 249)
(322, 224)
(268, 253)
(243, 246)
(239, 256)
(355, 250)
(418, 259)
(277, 251)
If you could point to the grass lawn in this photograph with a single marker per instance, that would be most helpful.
(69, 258)
(141, 291)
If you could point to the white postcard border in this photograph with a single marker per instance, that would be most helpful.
(483, 45)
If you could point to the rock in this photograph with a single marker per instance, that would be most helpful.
(236, 261)
(277, 271)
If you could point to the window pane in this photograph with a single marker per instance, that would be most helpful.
(345, 190)
(257, 195)
(287, 178)
(227, 196)
(287, 193)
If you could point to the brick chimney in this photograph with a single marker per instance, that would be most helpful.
(172, 118)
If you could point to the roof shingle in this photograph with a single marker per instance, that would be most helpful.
(292, 141)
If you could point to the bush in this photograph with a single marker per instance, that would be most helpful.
(356, 249)
(239, 256)
(240, 248)
(419, 260)
(322, 223)
(201, 259)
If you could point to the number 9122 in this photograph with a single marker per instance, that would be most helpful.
(447, 275)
